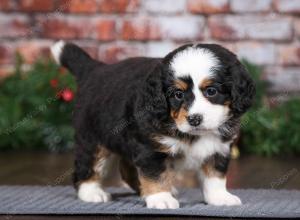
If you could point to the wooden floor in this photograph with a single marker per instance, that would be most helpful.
(55, 169)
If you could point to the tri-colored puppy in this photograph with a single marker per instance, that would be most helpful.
(155, 116)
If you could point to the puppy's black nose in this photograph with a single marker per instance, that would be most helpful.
(195, 119)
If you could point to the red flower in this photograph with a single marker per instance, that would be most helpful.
(67, 95)
(54, 83)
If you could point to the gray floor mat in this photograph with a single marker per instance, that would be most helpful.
(62, 200)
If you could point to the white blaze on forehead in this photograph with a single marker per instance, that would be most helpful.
(194, 62)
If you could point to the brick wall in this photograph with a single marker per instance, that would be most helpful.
(266, 32)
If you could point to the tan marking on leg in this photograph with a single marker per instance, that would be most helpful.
(106, 167)
(150, 186)
(209, 169)
(91, 190)
(101, 157)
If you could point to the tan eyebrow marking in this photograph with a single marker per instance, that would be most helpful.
(181, 84)
(205, 83)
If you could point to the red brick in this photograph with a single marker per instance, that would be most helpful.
(6, 5)
(14, 26)
(140, 29)
(62, 6)
(73, 27)
(118, 6)
(287, 6)
(78, 6)
(36, 5)
(232, 27)
(104, 30)
(64, 27)
(220, 30)
(6, 53)
(208, 6)
(289, 55)
(114, 53)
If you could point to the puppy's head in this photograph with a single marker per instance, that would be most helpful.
(205, 85)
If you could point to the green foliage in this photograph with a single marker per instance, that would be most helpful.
(34, 114)
(270, 131)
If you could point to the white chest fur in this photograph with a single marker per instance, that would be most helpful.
(195, 153)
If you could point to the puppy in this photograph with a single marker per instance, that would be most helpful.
(155, 116)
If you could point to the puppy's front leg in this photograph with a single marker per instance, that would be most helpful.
(213, 177)
(157, 191)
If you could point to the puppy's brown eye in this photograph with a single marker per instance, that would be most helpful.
(179, 95)
(210, 92)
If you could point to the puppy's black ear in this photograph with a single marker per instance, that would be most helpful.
(242, 90)
(154, 93)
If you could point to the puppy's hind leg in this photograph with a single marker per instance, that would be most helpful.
(90, 173)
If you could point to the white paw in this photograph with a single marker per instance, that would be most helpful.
(162, 200)
(92, 192)
(222, 198)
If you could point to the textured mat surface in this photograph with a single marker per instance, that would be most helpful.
(62, 200)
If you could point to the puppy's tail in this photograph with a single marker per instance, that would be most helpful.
(74, 59)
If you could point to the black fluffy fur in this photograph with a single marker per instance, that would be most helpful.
(121, 106)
